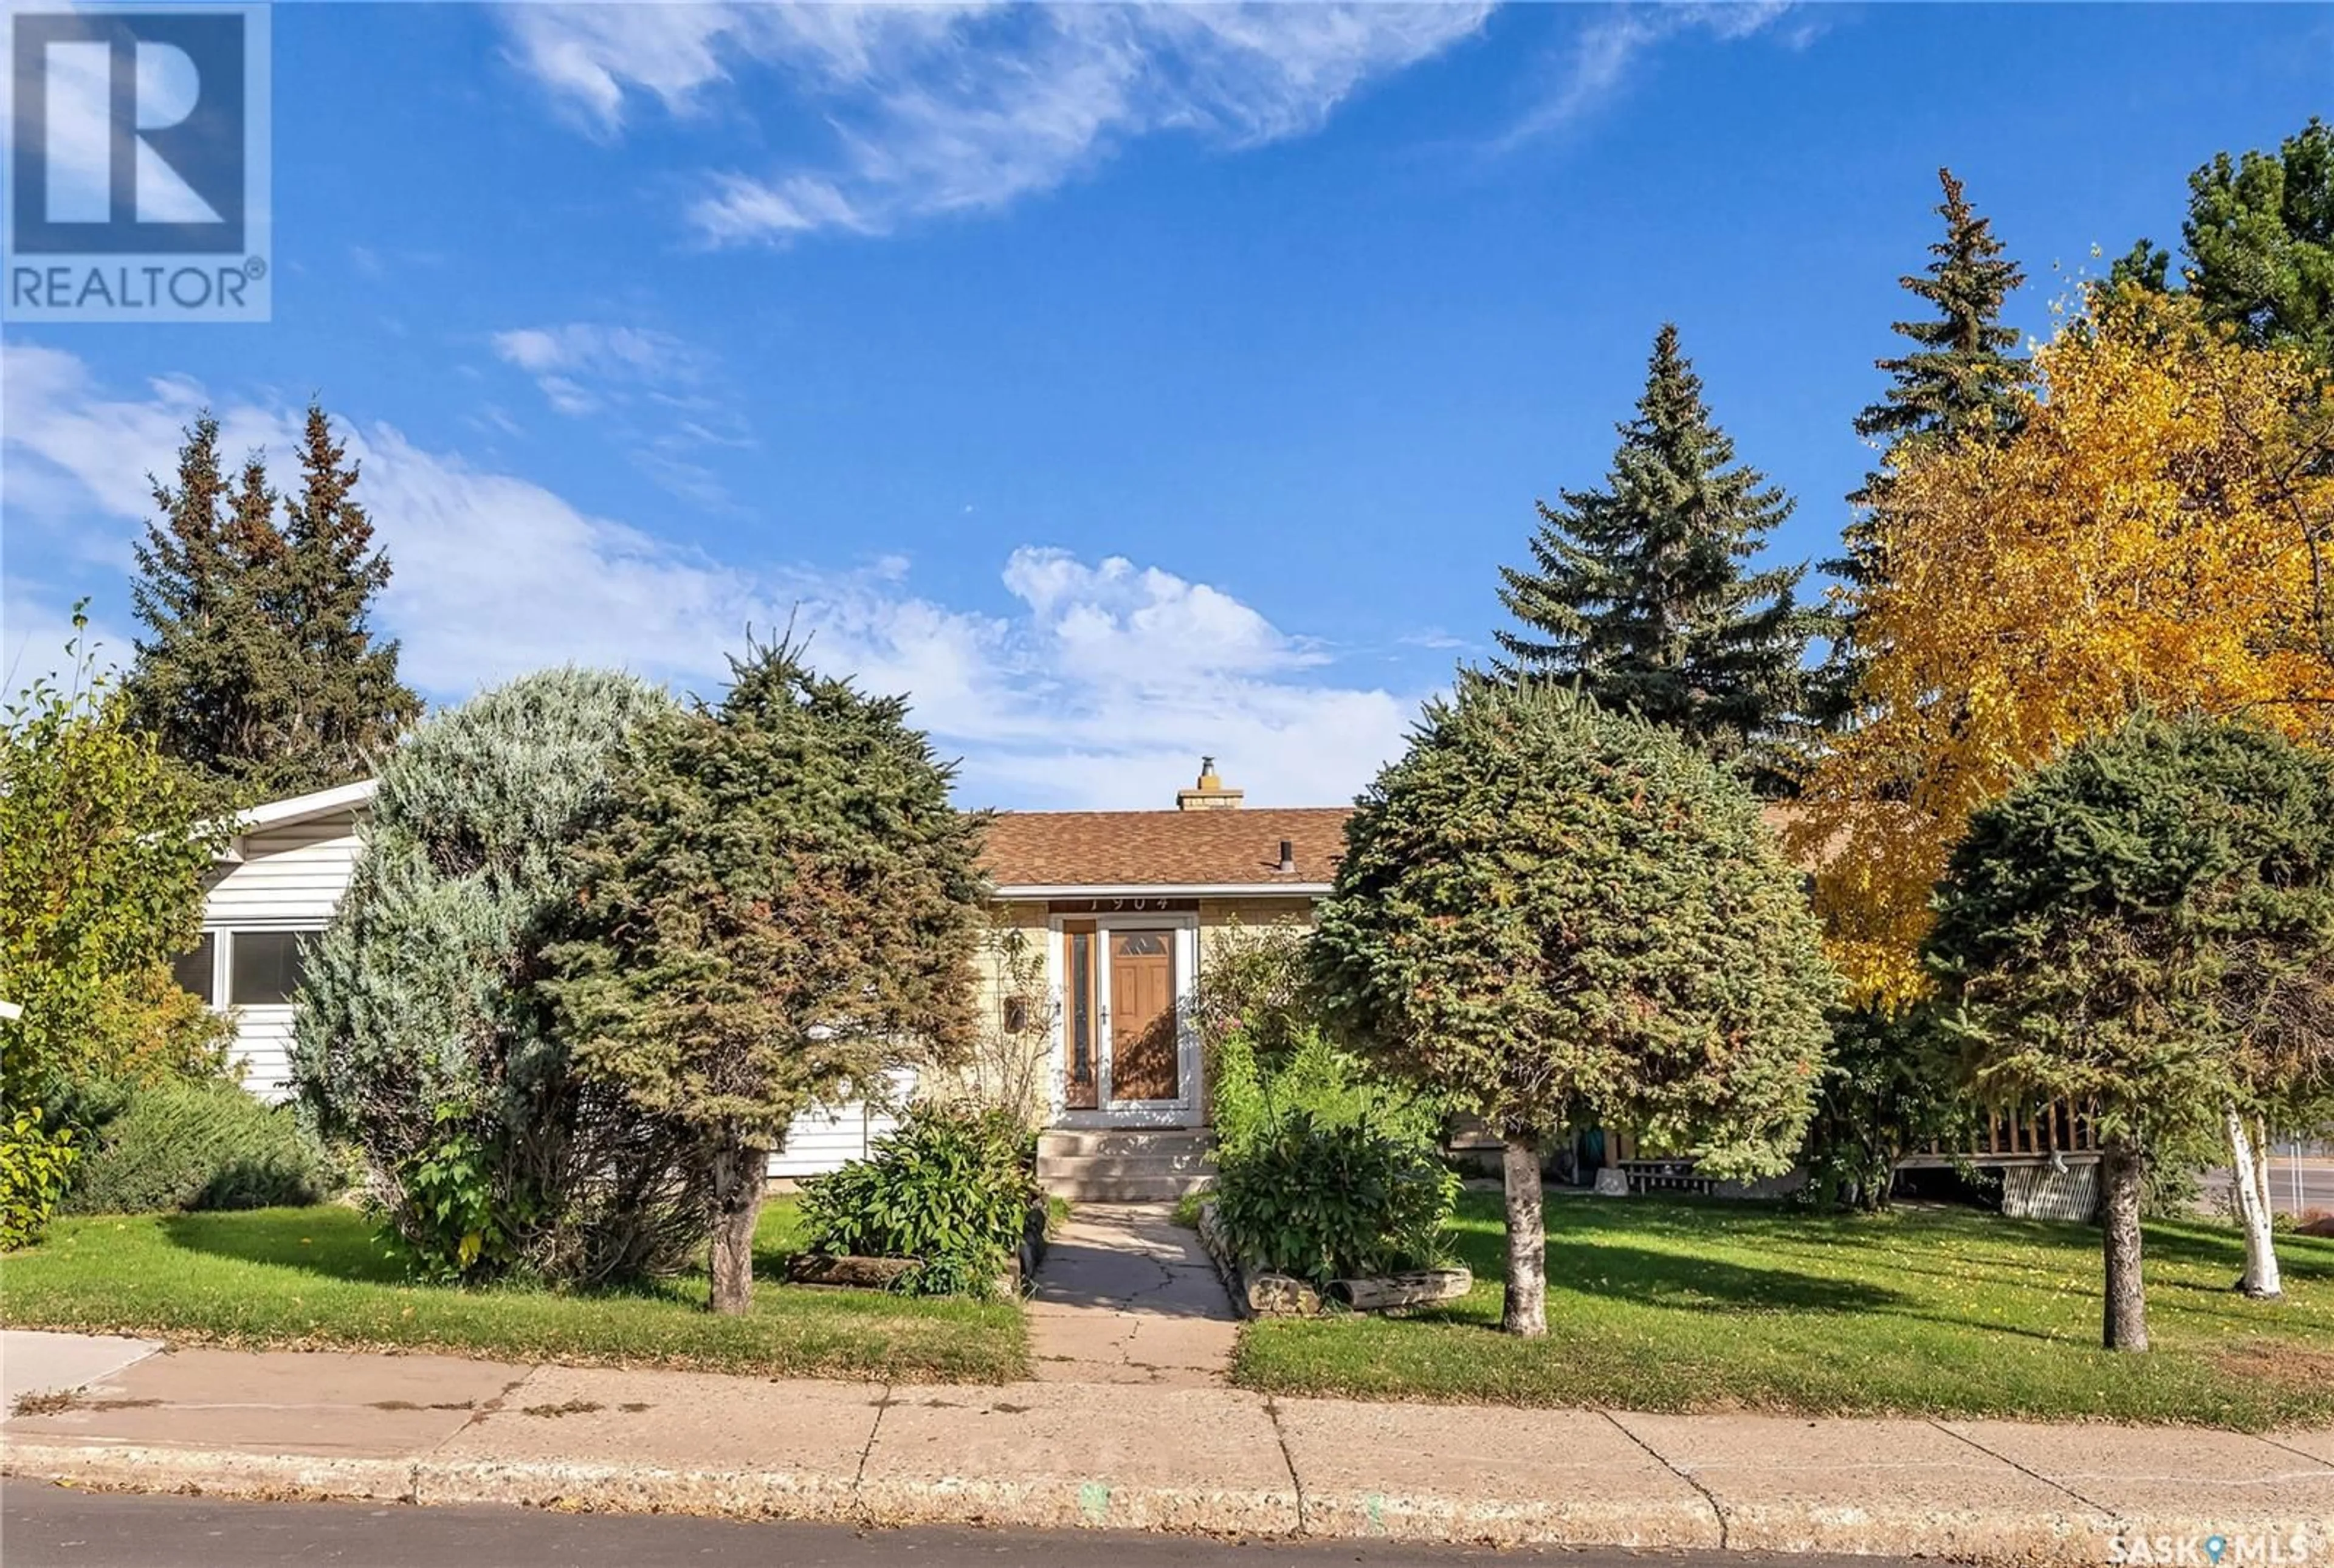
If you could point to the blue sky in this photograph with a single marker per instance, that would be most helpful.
(1122, 383)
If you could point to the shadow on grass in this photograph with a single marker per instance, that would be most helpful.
(1662, 1279)
(346, 1247)
(2299, 1257)
(345, 1244)
(1584, 1264)
(338, 1243)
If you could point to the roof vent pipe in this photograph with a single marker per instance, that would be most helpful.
(1288, 857)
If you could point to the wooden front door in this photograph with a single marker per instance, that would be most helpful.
(1144, 1063)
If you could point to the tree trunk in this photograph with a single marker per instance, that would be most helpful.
(737, 1175)
(2125, 1317)
(1526, 1312)
(2260, 1280)
(2261, 1162)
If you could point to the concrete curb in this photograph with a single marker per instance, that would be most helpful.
(1960, 1534)
(1050, 1504)
(1782, 1525)
(1038, 1505)
(1644, 1525)
(212, 1472)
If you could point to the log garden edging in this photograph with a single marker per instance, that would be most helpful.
(852, 1271)
(1258, 1292)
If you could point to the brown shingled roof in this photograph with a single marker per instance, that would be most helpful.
(1180, 848)
(1165, 849)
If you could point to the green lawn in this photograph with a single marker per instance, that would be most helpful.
(318, 1276)
(1672, 1304)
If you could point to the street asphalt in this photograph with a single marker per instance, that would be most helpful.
(49, 1526)
(2295, 1186)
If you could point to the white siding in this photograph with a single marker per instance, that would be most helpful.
(263, 1049)
(290, 878)
(821, 1140)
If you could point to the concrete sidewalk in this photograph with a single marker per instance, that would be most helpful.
(441, 1429)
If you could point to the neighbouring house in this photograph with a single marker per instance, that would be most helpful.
(275, 884)
(1115, 914)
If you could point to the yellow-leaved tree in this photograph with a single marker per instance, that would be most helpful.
(2160, 532)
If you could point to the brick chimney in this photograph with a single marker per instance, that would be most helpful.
(1210, 794)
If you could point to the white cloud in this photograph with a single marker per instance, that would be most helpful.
(577, 364)
(590, 346)
(647, 388)
(1100, 685)
(953, 108)
(1609, 53)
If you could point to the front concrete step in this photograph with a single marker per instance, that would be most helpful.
(1129, 1165)
(1124, 1189)
(1124, 1139)
(1126, 1165)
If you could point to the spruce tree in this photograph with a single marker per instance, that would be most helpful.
(1638, 591)
(350, 703)
(258, 666)
(1959, 381)
(205, 575)
(1551, 915)
(2145, 926)
(779, 904)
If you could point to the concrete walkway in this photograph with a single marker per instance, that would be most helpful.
(1127, 1295)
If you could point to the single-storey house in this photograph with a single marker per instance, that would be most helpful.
(1115, 915)
(1124, 906)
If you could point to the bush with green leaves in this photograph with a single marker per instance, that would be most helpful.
(1255, 984)
(1324, 1202)
(1252, 1091)
(455, 1222)
(102, 853)
(950, 1189)
(198, 1146)
(1892, 1087)
(423, 1035)
(36, 1163)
